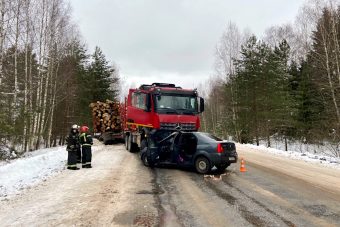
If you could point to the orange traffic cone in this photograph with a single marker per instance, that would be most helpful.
(243, 167)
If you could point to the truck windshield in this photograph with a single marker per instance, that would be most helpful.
(177, 104)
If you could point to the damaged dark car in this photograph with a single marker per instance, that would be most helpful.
(201, 151)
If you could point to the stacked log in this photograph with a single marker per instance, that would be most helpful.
(106, 116)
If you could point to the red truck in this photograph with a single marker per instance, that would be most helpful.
(159, 108)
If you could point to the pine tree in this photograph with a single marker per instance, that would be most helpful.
(248, 70)
(102, 77)
(263, 100)
(72, 104)
(309, 104)
(282, 102)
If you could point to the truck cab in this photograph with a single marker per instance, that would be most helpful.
(160, 107)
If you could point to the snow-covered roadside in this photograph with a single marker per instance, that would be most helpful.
(306, 156)
(30, 170)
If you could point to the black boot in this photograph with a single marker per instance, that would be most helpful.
(88, 166)
(73, 168)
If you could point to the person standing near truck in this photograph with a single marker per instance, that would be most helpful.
(86, 142)
(72, 147)
(79, 148)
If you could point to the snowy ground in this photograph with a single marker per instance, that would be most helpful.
(30, 170)
(318, 159)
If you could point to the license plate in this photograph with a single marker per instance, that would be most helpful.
(231, 158)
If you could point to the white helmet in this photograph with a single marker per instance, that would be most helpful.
(74, 126)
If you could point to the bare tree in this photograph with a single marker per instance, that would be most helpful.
(227, 50)
(275, 34)
(326, 55)
(37, 62)
(3, 12)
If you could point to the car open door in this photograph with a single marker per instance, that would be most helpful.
(186, 146)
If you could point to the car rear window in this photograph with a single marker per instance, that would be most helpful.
(208, 137)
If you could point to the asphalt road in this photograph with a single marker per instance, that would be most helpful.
(120, 191)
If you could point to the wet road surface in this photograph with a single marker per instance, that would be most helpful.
(260, 197)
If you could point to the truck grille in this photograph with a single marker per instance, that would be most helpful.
(179, 126)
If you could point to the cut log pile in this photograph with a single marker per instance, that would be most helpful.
(106, 116)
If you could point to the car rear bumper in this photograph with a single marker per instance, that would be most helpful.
(223, 159)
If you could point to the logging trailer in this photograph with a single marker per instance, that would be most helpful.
(107, 121)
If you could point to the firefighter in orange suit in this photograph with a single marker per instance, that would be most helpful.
(86, 142)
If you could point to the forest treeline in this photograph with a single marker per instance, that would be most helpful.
(47, 77)
(285, 86)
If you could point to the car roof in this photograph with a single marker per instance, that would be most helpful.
(204, 136)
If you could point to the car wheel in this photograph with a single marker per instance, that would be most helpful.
(149, 159)
(145, 159)
(202, 165)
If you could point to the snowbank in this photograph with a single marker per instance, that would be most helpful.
(33, 168)
(323, 160)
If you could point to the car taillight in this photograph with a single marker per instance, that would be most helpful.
(219, 148)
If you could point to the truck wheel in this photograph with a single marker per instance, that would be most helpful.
(202, 165)
(126, 142)
(131, 145)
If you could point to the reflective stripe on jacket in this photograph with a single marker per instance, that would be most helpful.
(86, 140)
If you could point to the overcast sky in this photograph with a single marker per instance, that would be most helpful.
(171, 40)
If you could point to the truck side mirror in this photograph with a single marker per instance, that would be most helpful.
(201, 104)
